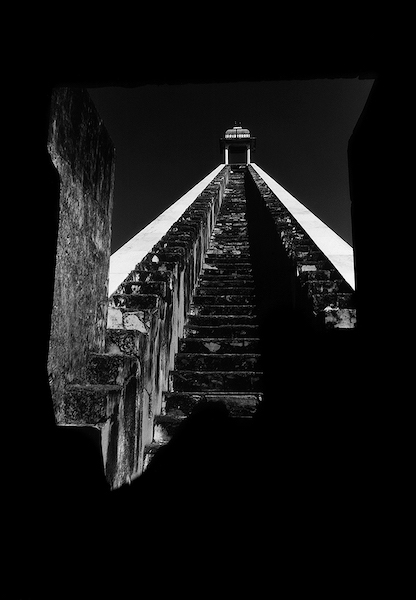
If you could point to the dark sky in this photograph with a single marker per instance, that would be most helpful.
(166, 140)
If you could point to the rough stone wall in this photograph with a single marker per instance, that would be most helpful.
(84, 156)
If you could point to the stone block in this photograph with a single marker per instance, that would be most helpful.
(111, 369)
(339, 318)
(88, 404)
(124, 341)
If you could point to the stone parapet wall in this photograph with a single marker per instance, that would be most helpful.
(318, 288)
(146, 314)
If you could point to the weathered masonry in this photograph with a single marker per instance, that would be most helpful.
(189, 301)
(147, 312)
(83, 154)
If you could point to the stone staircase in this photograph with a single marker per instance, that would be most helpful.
(203, 320)
(218, 358)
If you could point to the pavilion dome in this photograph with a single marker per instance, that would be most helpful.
(237, 132)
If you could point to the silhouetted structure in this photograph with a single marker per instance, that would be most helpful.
(301, 475)
(194, 298)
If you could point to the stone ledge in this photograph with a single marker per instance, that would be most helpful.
(85, 404)
(111, 369)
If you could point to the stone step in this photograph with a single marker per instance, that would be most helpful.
(226, 237)
(227, 265)
(223, 299)
(212, 282)
(238, 404)
(213, 320)
(234, 203)
(218, 290)
(227, 255)
(225, 226)
(199, 381)
(231, 252)
(227, 271)
(230, 309)
(221, 345)
(230, 239)
(217, 247)
(215, 361)
(216, 320)
(230, 208)
(233, 232)
(218, 275)
(222, 331)
(234, 260)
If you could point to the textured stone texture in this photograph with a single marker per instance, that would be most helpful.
(83, 154)
(151, 305)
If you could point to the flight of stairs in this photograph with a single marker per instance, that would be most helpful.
(218, 358)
